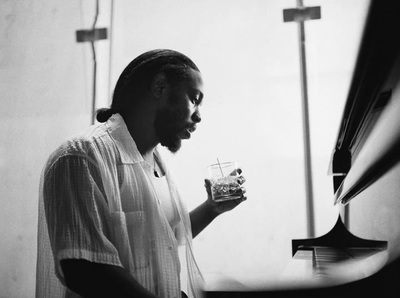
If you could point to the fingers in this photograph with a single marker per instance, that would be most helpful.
(241, 180)
(242, 190)
(235, 172)
(240, 194)
(240, 200)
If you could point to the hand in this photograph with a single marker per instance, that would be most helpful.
(221, 207)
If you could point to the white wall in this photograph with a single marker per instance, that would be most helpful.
(45, 87)
(251, 114)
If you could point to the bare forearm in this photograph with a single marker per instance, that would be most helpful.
(201, 217)
(99, 280)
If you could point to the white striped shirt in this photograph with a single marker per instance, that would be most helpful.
(97, 203)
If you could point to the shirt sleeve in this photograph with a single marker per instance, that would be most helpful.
(77, 213)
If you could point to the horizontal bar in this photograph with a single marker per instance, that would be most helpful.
(301, 14)
(91, 35)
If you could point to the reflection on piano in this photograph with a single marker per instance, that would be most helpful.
(360, 256)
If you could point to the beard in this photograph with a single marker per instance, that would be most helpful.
(168, 125)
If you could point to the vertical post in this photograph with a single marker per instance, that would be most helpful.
(110, 62)
(94, 87)
(299, 15)
(92, 35)
(306, 130)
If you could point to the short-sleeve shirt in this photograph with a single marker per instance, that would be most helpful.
(97, 203)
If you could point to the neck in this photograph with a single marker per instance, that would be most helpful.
(141, 128)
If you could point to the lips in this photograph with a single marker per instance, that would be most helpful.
(192, 129)
(187, 132)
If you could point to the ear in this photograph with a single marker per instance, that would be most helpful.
(159, 85)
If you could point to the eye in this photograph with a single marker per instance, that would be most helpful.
(196, 100)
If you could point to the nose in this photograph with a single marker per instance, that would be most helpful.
(196, 116)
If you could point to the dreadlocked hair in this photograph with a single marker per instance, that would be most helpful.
(136, 78)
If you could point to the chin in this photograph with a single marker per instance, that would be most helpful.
(172, 145)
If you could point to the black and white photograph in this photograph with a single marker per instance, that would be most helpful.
(199, 148)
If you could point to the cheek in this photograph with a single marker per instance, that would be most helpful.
(189, 112)
(175, 117)
(183, 113)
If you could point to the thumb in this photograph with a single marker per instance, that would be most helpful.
(207, 185)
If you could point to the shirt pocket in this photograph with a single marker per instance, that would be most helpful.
(132, 239)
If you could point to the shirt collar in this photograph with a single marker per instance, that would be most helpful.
(118, 131)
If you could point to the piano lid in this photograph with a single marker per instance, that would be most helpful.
(376, 75)
(378, 53)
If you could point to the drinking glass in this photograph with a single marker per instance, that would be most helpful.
(224, 181)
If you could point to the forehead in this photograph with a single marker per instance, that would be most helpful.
(194, 82)
(196, 78)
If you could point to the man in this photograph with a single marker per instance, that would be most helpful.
(111, 221)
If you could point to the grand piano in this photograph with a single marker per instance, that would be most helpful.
(360, 256)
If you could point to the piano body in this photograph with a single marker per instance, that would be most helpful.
(360, 256)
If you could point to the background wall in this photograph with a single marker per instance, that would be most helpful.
(45, 87)
(251, 114)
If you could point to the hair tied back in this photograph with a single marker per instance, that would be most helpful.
(104, 114)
